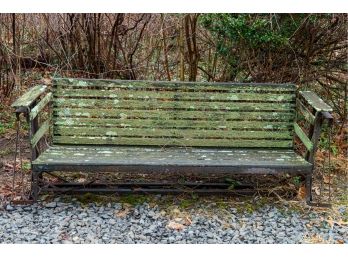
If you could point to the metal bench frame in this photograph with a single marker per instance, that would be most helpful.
(308, 105)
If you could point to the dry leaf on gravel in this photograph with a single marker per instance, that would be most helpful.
(176, 226)
(122, 213)
(332, 222)
(187, 221)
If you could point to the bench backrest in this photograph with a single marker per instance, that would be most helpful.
(114, 112)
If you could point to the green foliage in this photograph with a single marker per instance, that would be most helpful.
(26, 166)
(238, 34)
(133, 199)
(325, 144)
(256, 31)
(232, 183)
(297, 180)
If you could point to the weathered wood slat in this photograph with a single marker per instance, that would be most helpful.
(101, 153)
(303, 137)
(171, 141)
(170, 123)
(158, 151)
(36, 110)
(39, 134)
(170, 113)
(170, 85)
(305, 112)
(315, 101)
(29, 97)
(182, 133)
(176, 105)
(172, 155)
(183, 96)
(161, 149)
(166, 115)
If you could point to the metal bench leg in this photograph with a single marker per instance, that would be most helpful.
(35, 185)
(309, 188)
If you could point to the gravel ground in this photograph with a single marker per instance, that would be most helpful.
(73, 222)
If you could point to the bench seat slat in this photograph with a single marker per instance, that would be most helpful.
(71, 156)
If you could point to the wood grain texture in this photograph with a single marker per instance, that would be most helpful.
(39, 134)
(173, 113)
(29, 97)
(315, 101)
(303, 137)
(170, 156)
(38, 108)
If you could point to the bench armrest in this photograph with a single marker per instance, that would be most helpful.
(31, 105)
(315, 101)
(24, 103)
(316, 117)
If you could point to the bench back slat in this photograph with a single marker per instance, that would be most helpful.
(115, 112)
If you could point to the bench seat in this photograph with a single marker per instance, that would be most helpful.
(170, 159)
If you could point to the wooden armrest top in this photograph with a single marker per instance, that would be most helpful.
(29, 97)
(315, 101)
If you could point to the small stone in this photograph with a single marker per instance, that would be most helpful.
(142, 237)
(151, 214)
(9, 208)
(209, 235)
(82, 215)
(51, 205)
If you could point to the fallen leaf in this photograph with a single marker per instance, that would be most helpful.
(122, 213)
(301, 192)
(316, 190)
(187, 221)
(327, 179)
(81, 180)
(176, 226)
(46, 81)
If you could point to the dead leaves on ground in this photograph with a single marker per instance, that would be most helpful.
(333, 222)
(301, 194)
(175, 226)
(179, 223)
(123, 212)
(179, 220)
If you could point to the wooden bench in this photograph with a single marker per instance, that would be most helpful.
(142, 126)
